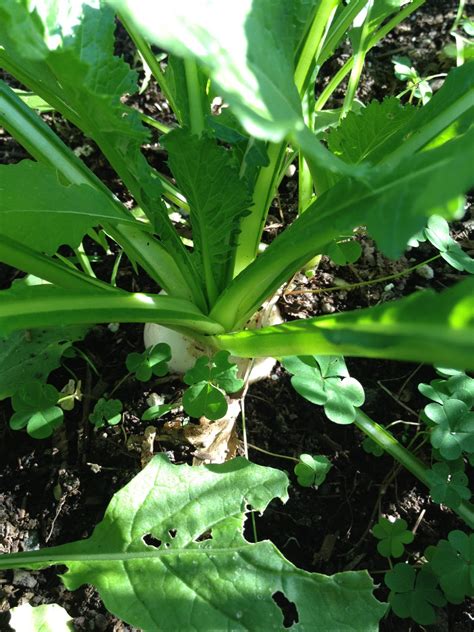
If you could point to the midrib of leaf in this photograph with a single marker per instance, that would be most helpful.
(120, 556)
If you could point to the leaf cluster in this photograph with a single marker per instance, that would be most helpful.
(209, 380)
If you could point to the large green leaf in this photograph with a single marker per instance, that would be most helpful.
(247, 47)
(50, 306)
(393, 205)
(208, 176)
(170, 555)
(42, 213)
(454, 100)
(423, 327)
(360, 133)
(46, 618)
(64, 52)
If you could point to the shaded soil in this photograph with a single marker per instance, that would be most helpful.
(55, 491)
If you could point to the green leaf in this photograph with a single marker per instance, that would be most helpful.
(371, 447)
(393, 205)
(326, 382)
(454, 431)
(172, 527)
(216, 369)
(40, 212)
(47, 618)
(48, 306)
(452, 561)
(448, 484)
(458, 386)
(31, 355)
(65, 54)
(448, 105)
(393, 536)
(312, 470)
(437, 232)
(35, 408)
(360, 133)
(248, 51)
(106, 411)
(413, 594)
(152, 362)
(208, 177)
(343, 252)
(424, 327)
(205, 399)
(208, 378)
(155, 412)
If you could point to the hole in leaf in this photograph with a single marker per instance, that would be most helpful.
(172, 533)
(151, 540)
(288, 608)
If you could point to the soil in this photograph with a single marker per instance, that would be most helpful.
(55, 491)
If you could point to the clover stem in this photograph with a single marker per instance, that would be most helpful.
(387, 441)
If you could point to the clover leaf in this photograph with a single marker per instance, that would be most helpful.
(312, 470)
(454, 431)
(371, 447)
(452, 561)
(459, 386)
(393, 536)
(106, 411)
(437, 232)
(209, 380)
(449, 484)
(413, 594)
(343, 252)
(325, 381)
(152, 362)
(35, 408)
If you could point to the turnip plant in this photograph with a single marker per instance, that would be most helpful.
(386, 167)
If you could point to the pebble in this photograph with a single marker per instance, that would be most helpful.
(24, 578)
(327, 308)
(426, 272)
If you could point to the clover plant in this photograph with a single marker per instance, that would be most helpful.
(384, 166)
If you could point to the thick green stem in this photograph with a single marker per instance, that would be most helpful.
(387, 441)
(253, 224)
(153, 64)
(373, 41)
(19, 256)
(48, 306)
(196, 114)
(312, 44)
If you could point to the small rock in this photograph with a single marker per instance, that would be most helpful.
(426, 272)
(100, 622)
(24, 578)
(327, 308)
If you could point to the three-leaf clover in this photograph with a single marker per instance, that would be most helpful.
(454, 431)
(208, 380)
(106, 411)
(393, 536)
(448, 483)
(325, 380)
(312, 470)
(413, 594)
(152, 362)
(452, 561)
(35, 408)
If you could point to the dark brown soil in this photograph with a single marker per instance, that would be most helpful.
(55, 491)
